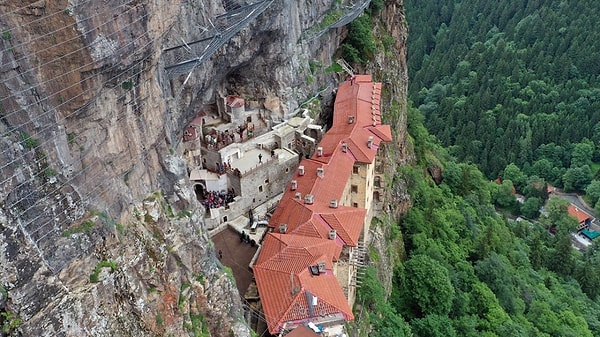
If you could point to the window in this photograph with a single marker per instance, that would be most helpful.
(249, 119)
(355, 169)
(378, 167)
(353, 188)
(225, 218)
(266, 181)
(377, 181)
(287, 169)
(376, 196)
(260, 189)
(355, 204)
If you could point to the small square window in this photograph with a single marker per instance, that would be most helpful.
(355, 204)
(355, 169)
(376, 196)
(266, 181)
(260, 189)
(354, 189)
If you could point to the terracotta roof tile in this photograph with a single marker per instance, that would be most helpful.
(290, 211)
(578, 213)
(311, 229)
(384, 132)
(358, 150)
(235, 101)
(281, 271)
(348, 223)
(283, 279)
(302, 331)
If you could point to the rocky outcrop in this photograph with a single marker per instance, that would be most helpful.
(100, 234)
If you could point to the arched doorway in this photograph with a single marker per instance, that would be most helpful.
(200, 190)
(376, 196)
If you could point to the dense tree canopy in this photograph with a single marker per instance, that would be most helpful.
(504, 82)
(471, 272)
(512, 90)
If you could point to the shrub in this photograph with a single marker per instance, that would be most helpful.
(94, 276)
(28, 141)
(49, 172)
(127, 85)
(359, 45)
(84, 227)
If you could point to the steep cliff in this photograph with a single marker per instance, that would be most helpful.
(390, 66)
(100, 234)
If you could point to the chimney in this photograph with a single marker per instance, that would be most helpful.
(294, 185)
(283, 228)
(321, 265)
(298, 196)
(319, 152)
(309, 199)
(350, 119)
(344, 147)
(320, 172)
(333, 203)
(370, 142)
(332, 234)
(301, 170)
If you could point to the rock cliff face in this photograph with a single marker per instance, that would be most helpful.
(100, 234)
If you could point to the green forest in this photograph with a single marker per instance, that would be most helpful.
(469, 271)
(511, 83)
(507, 90)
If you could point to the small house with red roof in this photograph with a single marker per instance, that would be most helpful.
(307, 266)
(582, 217)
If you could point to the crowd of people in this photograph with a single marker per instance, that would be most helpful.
(217, 199)
(218, 139)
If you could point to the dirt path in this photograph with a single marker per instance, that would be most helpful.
(235, 255)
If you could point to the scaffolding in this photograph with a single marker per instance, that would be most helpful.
(183, 59)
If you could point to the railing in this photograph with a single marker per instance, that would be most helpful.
(184, 58)
(339, 17)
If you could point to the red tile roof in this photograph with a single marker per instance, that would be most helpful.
(302, 331)
(284, 279)
(281, 271)
(235, 101)
(348, 223)
(578, 213)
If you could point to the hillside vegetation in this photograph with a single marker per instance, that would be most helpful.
(469, 271)
(503, 82)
